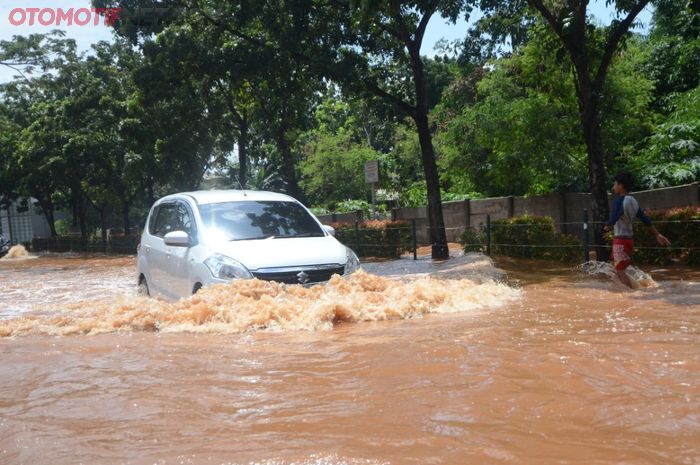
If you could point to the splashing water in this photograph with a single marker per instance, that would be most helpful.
(638, 278)
(16, 252)
(253, 305)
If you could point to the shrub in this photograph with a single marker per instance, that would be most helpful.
(526, 236)
(123, 244)
(62, 227)
(62, 244)
(349, 206)
(387, 239)
(58, 244)
(681, 226)
(473, 240)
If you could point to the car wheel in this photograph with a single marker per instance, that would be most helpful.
(142, 290)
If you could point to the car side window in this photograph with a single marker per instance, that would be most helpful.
(164, 219)
(182, 220)
(152, 221)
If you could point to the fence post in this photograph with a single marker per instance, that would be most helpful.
(586, 244)
(357, 237)
(488, 234)
(413, 239)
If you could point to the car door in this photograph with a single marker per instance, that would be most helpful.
(158, 251)
(178, 259)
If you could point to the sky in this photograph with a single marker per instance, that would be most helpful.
(89, 34)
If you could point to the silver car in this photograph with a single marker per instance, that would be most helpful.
(195, 239)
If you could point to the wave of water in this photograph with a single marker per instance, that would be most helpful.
(17, 252)
(255, 305)
(638, 278)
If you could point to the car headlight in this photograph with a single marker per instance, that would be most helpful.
(352, 263)
(223, 267)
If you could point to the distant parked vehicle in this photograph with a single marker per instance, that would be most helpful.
(4, 246)
(195, 239)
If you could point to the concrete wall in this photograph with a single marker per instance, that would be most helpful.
(566, 209)
(420, 214)
(340, 217)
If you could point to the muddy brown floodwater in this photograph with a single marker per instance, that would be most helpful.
(408, 363)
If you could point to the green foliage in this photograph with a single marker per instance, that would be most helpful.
(529, 236)
(681, 226)
(387, 239)
(306, 92)
(673, 51)
(347, 206)
(415, 196)
(60, 244)
(517, 130)
(473, 240)
(319, 211)
(333, 168)
(672, 154)
(62, 227)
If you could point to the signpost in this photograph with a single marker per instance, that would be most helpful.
(372, 177)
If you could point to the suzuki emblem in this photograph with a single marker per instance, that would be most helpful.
(302, 277)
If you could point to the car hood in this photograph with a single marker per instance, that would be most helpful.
(282, 252)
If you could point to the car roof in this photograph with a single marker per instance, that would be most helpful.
(216, 196)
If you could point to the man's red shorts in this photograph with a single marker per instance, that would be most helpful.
(622, 252)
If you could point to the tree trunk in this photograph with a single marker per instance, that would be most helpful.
(9, 223)
(125, 217)
(103, 224)
(149, 191)
(288, 172)
(80, 203)
(48, 210)
(74, 206)
(590, 122)
(243, 153)
(438, 237)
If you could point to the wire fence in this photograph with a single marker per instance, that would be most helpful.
(565, 241)
(118, 245)
(533, 239)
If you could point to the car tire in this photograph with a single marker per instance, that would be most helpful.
(142, 289)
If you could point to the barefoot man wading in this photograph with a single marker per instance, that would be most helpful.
(624, 209)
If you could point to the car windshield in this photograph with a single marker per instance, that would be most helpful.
(247, 220)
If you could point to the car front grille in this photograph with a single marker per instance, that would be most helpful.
(300, 274)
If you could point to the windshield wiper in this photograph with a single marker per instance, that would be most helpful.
(267, 236)
(273, 236)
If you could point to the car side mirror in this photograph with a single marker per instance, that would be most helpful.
(177, 239)
(329, 229)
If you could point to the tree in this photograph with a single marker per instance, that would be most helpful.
(334, 155)
(24, 105)
(383, 32)
(9, 171)
(672, 155)
(591, 50)
(513, 129)
(674, 50)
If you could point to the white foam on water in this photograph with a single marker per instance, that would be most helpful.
(18, 252)
(639, 279)
(460, 285)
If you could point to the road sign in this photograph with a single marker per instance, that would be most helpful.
(372, 171)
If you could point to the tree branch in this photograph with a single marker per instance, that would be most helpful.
(394, 100)
(614, 40)
(571, 45)
(423, 24)
(549, 17)
(15, 68)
